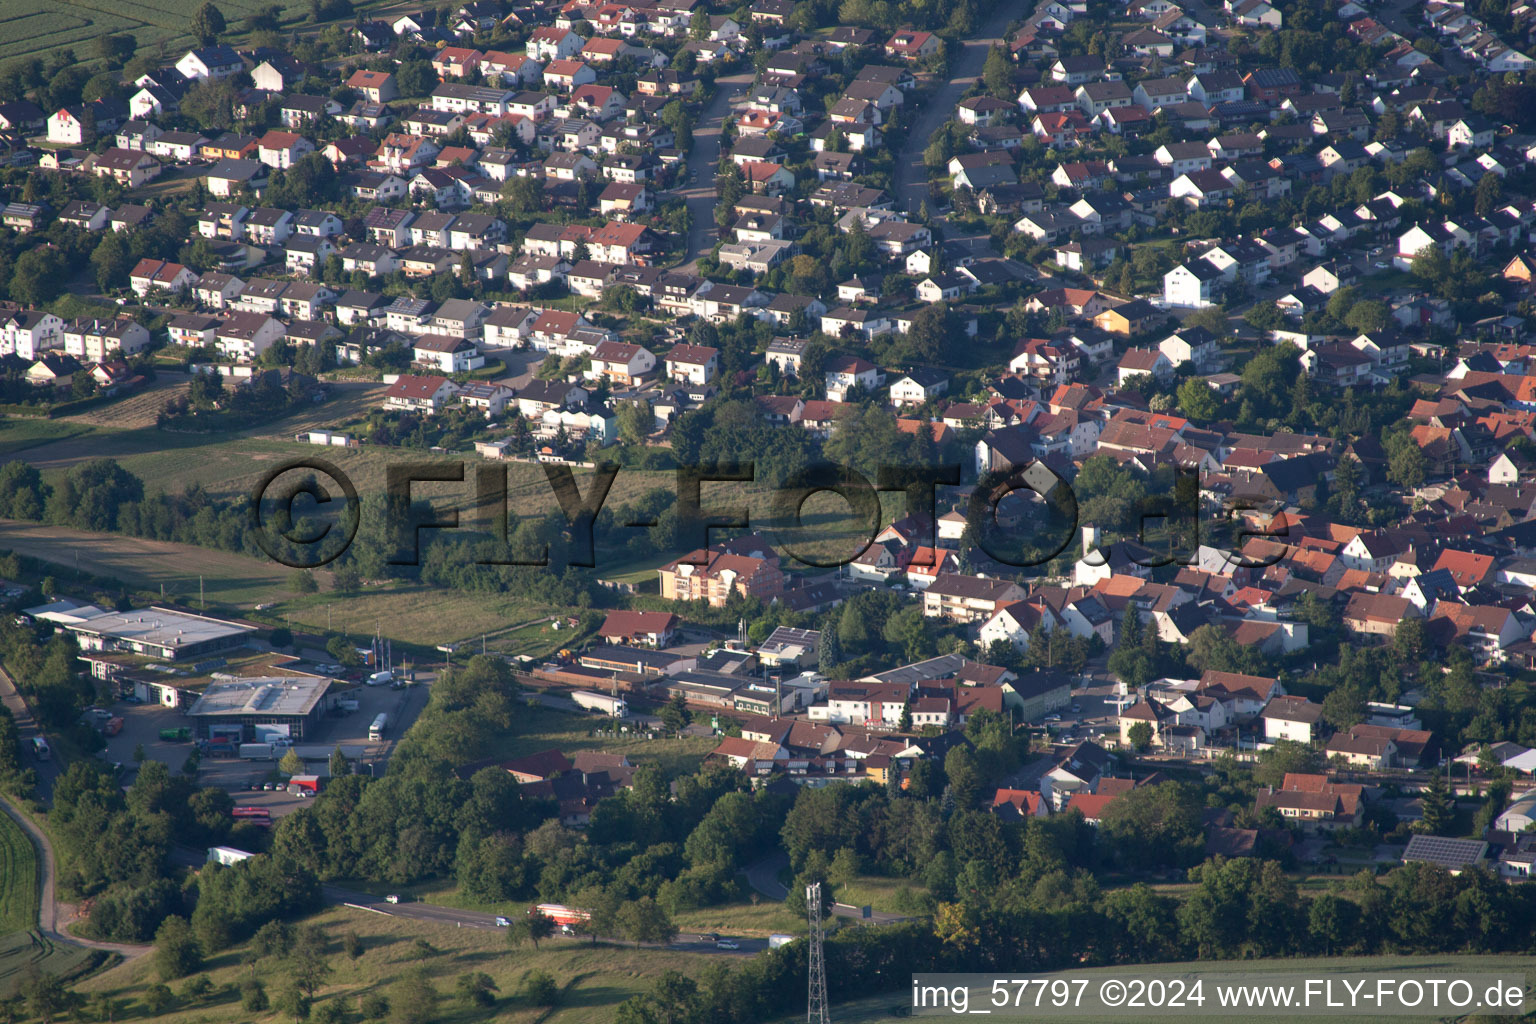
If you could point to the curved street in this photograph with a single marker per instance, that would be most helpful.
(49, 910)
(763, 876)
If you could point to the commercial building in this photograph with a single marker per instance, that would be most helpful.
(261, 706)
(153, 632)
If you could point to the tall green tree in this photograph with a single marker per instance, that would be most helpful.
(177, 951)
(1439, 811)
(207, 24)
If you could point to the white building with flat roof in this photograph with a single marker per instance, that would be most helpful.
(153, 632)
(291, 704)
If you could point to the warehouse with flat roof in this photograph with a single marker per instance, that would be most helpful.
(157, 633)
(292, 705)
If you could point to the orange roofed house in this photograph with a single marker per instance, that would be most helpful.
(714, 576)
(1313, 800)
(1018, 803)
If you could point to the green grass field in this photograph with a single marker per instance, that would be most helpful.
(22, 952)
(417, 614)
(895, 1004)
(35, 28)
(229, 465)
(18, 879)
(228, 579)
(594, 979)
(540, 728)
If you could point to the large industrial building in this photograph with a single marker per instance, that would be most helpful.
(152, 632)
(261, 706)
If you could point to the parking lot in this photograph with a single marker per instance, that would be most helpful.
(142, 724)
(1096, 715)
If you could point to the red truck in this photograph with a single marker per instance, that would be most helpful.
(113, 727)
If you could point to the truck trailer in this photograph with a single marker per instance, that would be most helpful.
(566, 917)
(307, 783)
(259, 751)
(227, 855)
(613, 707)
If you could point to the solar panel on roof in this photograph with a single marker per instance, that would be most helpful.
(1444, 851)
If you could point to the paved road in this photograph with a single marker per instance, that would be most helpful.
(703, 159)
(26, 728)
(763, 876)
(431, 912)
(911, 178)
(52, 915)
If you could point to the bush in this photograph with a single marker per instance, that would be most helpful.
(253, 996)
(292, 1003)
(539, 989)
(373, 1007)
(197, 989)
(158, 999)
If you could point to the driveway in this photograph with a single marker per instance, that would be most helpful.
(521, 365)
(911, 177)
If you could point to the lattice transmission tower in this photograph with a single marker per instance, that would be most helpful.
(816, 1003)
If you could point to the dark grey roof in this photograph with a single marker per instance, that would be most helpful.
(1453, 854)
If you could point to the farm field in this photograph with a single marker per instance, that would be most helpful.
(37, 28)
(138, 410)
(228, 578)
(18, 879)
(230, 464)
(413, 613)
(23, 952)
(593, 979)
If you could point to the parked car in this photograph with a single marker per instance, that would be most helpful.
(502, 922)
(727, 944)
